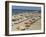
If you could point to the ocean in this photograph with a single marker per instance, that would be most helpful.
(17, 11)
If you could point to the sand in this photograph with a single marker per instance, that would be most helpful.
(21, 26)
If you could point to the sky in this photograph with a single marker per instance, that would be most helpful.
(26, 7)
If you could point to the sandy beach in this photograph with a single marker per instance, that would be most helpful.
(26, 21)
